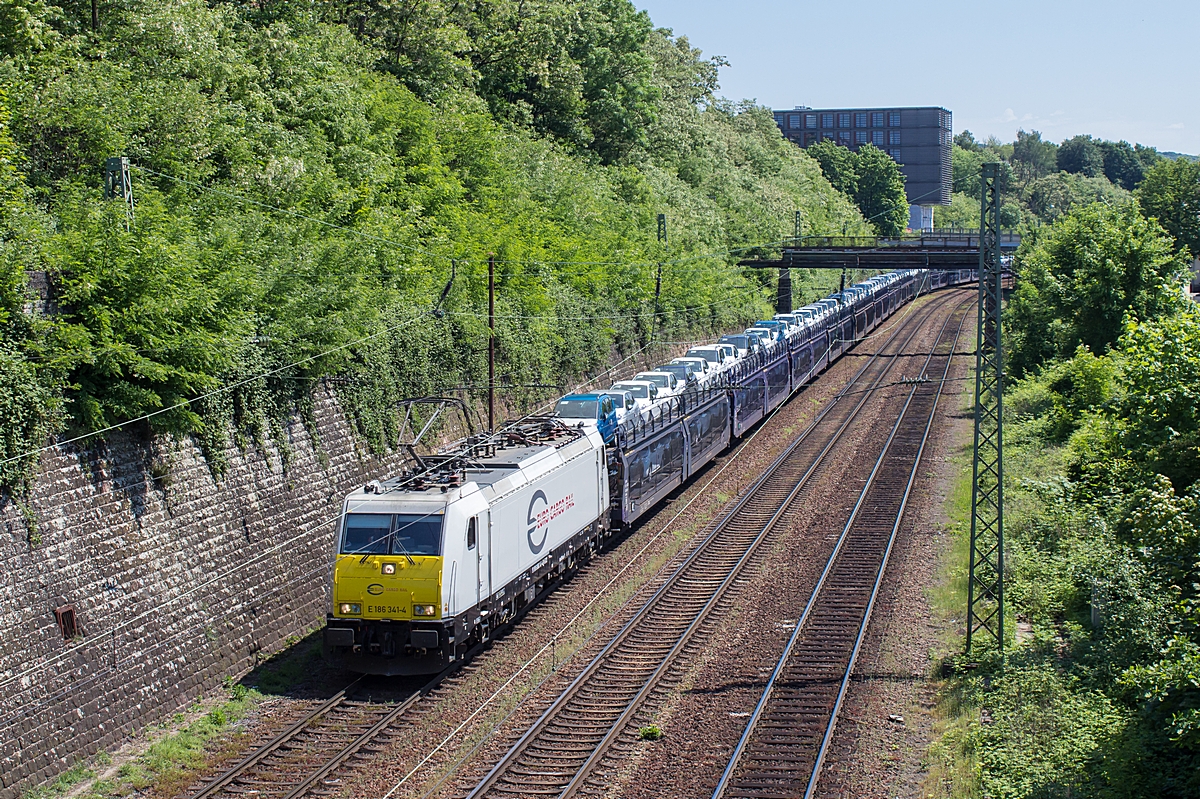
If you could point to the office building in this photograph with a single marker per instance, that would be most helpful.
(919, 139)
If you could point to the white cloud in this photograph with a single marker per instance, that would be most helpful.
(1176, 126)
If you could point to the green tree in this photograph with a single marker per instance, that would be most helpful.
(1051, 197)
(1032, 157)
(1076, 284)
(839, 165)
(871, 177)
(965, 165)
(1159, 405)
(966, 140)
(1081, 155)
(880, 191)
(1125, 166)
(29, 379)
(1170, 193)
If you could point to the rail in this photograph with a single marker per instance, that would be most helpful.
(556, 755)
(757, 766)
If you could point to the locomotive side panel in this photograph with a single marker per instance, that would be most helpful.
(544, 513)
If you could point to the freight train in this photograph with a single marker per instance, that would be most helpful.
(431, 563)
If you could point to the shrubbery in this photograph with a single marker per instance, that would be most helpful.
(1102, 698)
(307, 180)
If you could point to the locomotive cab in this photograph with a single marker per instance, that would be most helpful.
(403, 569)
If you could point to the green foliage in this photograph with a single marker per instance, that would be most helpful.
(872, 178)
(579, 72)
(1057, 397)
(1121, 163)
(1052, 197)
(1102, 550)
(148, 318)
(1159, 403)
(1125, 165)
(838, 163)
(880, 191)
(966, 140)
(1078, 281)
(29, 400)
(307, 182)
(962, 212)
(1081, 155)
(1043, 181)
(1043, 734)
(1034, 158)
(651, 732)
(1170, 193)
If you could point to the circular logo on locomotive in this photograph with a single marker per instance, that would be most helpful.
(374, 589)
(533, 522)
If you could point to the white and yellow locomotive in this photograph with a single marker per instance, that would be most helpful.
(434, 561)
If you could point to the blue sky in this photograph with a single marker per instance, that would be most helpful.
(1117, 70)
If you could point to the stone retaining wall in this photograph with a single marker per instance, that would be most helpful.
(176, 580)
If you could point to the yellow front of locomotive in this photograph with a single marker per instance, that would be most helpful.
(387, 587)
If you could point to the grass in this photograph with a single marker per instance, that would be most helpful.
(168, 765)
(952, 769)
(63, 783)
(954, 766)
(650, 732)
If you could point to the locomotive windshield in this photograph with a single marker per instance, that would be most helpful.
(395, 534)
(367, 533)
(576, 409)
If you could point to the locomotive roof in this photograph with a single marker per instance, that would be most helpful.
(483, 460)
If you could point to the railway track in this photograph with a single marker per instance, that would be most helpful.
(560, 753)
(299, 760)
(783, 747)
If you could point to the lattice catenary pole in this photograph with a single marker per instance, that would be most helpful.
(985, 590)
(118, 185)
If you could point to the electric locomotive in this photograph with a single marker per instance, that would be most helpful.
(431, 562)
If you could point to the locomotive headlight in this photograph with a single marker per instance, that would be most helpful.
(388, 568)
(424, 610)
(350, 609)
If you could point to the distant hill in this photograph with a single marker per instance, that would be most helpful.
(1184, 156)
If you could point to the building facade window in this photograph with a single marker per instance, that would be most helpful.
(827, 120)
(893, 137)
(877, 138)
(827, 137)
(843, 120)
(844, 137)
(895, 154)
(894, 119)
(793, 120)
(810, 121)
(877, 119)
(862, 137)
(860, 119)
(810, 138)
